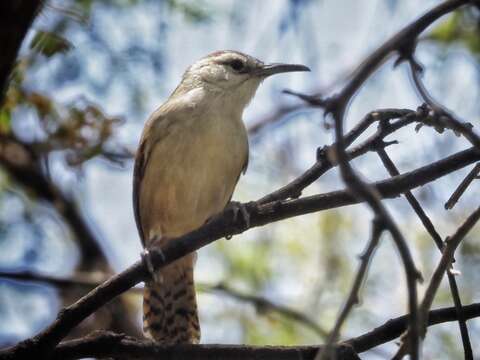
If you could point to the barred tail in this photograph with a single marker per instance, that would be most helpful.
(170, 306)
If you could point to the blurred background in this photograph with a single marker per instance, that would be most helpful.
(89, 74)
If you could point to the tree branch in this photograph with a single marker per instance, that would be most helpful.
(107, 344)
(392, 329)
(353, 296)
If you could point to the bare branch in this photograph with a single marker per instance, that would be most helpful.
(444, 264)
(337, 107)
(393, 171)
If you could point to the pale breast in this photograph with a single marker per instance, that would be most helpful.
(191, 174)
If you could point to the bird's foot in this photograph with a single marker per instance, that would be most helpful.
(239, 208)
(147, 260)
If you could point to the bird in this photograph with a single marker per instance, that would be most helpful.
(192, 151)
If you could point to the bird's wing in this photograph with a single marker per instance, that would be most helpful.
(243, 171)
(147, 142)
(245, 165)
(141, 160)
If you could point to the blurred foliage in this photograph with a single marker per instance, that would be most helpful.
(273, 330)
(49, 44)
(80, 129)
(463, 28)
(239, 260)
(193, 11)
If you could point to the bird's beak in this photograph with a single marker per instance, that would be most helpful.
(272, 69)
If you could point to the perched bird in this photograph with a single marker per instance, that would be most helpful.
(192, 151)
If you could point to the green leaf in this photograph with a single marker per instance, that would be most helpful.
(49, 44)
(5, 121)
(460, 28)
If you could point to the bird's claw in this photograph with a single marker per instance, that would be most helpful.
(238, 207)
(147, 260)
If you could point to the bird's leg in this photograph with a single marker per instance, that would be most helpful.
(147, 260)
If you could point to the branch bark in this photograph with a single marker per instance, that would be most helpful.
(107, 344)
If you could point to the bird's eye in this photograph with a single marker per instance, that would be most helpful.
(236, 65)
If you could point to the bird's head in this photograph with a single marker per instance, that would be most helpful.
(233, 74)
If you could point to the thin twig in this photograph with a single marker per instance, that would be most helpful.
(281, 112)
(427, 223)
(80, 279)
(323, 164)
(472, 175)
(441, 115)
(353, 296)
(263, 304)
